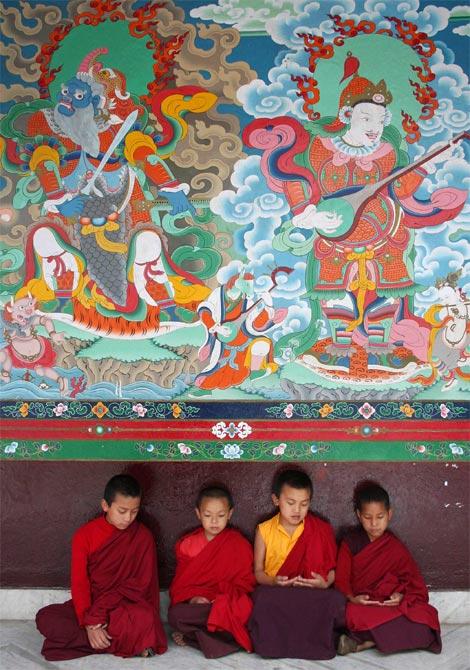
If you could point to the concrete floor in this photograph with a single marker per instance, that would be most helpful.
(20, 645)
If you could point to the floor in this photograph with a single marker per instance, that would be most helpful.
(20, 644)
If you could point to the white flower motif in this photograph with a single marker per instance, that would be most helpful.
(184, 449)
(221, 430)
(366, 410)
(455, 449)
(244, 429)
(44, 447)
(60, 409)
(11, 448)
(445, 411)
(139, 409)
(289, 410)
(313, 448)
(280, 449)
(231, 451)
(150, 448)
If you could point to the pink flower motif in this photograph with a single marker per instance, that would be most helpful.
(60, 409)
(280, 449)
(420, 448)
(289, 410)
(444, 410)
(139, 409)
(366, 410)
(44, 447)
(184, 449)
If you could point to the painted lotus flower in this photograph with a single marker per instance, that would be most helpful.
(231, 451)
(280, 449)
(44, 447)
(11, 448)
(289, 410)
(139, 409)
(366, 410)
(445, 411)
(455, 449)
(60, 409)
(184, 449)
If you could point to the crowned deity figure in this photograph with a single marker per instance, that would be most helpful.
(358, 212)
(96, 246)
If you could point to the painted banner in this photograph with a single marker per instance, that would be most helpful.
(214, 212)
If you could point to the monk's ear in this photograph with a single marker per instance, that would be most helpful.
(229, 515)
(390, 514)
(358, 514)
(198, 513)
(104, 505)
(275, 500)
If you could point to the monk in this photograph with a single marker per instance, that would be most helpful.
(115, 596)
(209, 596)
(296, 613)
(387, 598)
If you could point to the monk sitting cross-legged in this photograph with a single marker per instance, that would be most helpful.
(388, 600)
(296, 614)
(115, 597)
(210, 605)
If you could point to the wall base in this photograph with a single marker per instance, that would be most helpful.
(18, 604)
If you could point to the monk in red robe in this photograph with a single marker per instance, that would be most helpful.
(388, 600)
(296, 614)
(115, 596)
(210, 605)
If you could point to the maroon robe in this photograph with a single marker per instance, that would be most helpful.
(298, 621)
(124, 594)
(378, 569)
(222, 572)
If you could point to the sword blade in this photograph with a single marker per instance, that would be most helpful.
(121, 133)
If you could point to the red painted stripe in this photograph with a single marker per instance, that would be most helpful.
(261, 430)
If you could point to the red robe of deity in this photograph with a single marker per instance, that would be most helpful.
(377, 246)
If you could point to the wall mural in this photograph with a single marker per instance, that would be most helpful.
(205, 203)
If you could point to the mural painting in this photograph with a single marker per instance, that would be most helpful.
(205, 202)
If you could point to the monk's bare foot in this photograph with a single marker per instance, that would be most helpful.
(346, 645)
(365, 645)
(147, 653)
(178, 638)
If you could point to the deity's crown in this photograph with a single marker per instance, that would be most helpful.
(358, 90)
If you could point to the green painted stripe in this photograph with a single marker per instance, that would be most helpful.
(131, 450)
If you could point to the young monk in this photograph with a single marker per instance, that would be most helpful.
(210, 605)
(115, 597)
(296, 614)
(387, 597)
